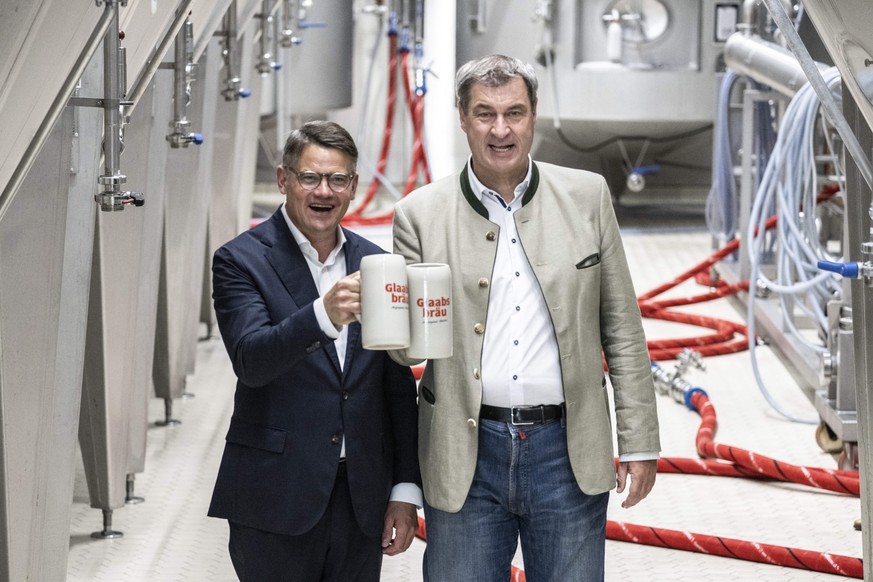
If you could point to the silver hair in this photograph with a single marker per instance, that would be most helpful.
(493, 71)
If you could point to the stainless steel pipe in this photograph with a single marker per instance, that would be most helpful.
(57, 107)
(765, 62)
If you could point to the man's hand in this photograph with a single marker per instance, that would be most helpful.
(642, 477)
(343, 300)
(401, 521)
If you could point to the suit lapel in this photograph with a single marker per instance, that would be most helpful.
(290, 265)
(353, 264)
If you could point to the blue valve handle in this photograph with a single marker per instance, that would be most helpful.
(650, 169)
(245, 93)
(848, 270)
(197, 138)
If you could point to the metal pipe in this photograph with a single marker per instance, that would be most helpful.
(183, 76)
(765, 62)
(113, 93)
(180, 74)
(267, 59)
(230, 53)
(828, 103)
(142, 82)
(56, 108)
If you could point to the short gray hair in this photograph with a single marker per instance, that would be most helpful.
(493, 71)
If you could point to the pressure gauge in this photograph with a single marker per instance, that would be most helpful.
(642, 21)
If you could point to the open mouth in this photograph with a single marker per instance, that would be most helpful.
(502, 149)
(321, 208)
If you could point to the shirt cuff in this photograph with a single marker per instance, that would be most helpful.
(324, 322)
(628, 457)
(407, 493)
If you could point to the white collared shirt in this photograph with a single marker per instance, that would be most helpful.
(520, 359)
(325, 275)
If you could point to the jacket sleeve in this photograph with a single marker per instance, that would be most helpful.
(624, 342)
(400, 395)
(261, 344)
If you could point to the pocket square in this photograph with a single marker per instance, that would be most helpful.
(588, 261)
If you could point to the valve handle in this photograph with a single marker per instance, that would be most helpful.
(848, 270)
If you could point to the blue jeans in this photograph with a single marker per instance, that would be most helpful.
(523, 487)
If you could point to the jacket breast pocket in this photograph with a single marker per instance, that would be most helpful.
(589, 261)
(256, 437)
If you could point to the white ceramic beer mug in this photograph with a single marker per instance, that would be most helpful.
(384, 302)
(430, 310)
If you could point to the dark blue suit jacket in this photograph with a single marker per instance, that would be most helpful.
(294, 403)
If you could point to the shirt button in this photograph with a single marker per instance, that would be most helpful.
(335, 439)
(483, 282)
(471, 422)
(513, 240)
(490, 235)
(514, 377)
(476, 373)
(518, 308)
(515, 342)
(479, 329)
(517, 274)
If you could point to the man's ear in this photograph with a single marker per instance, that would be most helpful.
(280, 178)
(354, 186)
(462, 119)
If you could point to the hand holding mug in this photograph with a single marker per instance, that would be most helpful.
(343, 301)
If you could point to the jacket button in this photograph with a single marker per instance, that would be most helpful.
(479, 328)
(483, 282)
(335, 439)
(345, 395)
(471, 422)
(476, 373)
(490, 235)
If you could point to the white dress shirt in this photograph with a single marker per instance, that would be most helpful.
(520, 358)
(325, 275)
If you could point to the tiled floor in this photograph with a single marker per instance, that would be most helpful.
(168, 538)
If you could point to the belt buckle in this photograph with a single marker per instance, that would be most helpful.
(514, 409)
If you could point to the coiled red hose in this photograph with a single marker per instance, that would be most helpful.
(730, 337)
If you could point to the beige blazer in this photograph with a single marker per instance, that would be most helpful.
(568, 229)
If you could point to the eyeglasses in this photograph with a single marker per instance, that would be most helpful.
(308, 180)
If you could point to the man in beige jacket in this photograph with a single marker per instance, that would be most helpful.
(515, 435)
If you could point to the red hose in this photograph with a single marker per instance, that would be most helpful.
(382, 163)
(416, 112)
(415, 105)
(829, 479)
(733, 548)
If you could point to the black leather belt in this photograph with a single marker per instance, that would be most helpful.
(523, 415)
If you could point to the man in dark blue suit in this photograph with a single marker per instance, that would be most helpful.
(320, 475)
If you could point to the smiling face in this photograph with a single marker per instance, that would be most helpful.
(499, 123)
(318, 212)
